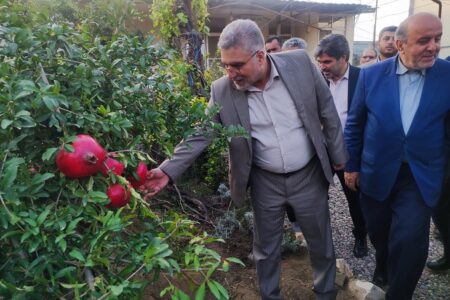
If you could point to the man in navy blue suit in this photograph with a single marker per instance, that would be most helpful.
(395, 134)
(332, 54)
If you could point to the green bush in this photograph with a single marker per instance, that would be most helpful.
(58, 238)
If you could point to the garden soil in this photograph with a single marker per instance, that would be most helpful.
(241, 283)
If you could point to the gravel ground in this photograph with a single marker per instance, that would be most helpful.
(431, 286)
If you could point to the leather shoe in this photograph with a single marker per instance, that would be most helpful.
(440, 264)
(360, 249)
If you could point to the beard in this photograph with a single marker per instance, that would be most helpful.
(241, 84)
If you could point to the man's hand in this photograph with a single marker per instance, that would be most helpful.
(156, 181)
(352, 180)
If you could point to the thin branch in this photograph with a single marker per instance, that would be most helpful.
(43, 75)
(179, 198)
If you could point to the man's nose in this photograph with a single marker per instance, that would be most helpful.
(231, 73)
(432, 45)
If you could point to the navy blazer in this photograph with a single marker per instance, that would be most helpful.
(353, 75)
(375, 138)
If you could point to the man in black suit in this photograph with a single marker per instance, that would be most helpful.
(441, 215)
(332, 54)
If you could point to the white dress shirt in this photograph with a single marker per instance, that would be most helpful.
(339, 91)
(279, 140)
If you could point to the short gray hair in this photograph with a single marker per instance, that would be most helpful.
(241, 33)
(294, 43)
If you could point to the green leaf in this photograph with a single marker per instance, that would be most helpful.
(40, 178)
(72, 286)
(225, 266)
(10, 172)
(10, 234)
(14, 219)
(73, 224)
(180, 295)
(47, 155)
(33, 246)
(43, 215)
(26, 85)
(63, 245)
(235, 260)
(213, 288)
(23, 113)
(65, 271)
(75, 253)
(212, 269)
(97, 196)
(51, 102)
(60, 237)
(222, 290)
(22, 94)
(30, 222)
(69, 148)
(200, 293)
(116, 290)
(90, 184)
(5, 123)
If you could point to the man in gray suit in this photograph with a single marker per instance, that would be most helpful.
(285, 105)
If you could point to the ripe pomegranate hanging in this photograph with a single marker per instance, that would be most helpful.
(110, 164)
(85, 160)
(118, 196)
(141, 172)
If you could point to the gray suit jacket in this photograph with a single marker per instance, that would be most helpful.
(314, 105)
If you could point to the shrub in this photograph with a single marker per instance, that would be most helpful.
(58, 238)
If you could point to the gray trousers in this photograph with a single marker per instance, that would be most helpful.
(306, 191)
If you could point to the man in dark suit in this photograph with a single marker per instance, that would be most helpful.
(441, 214)
(284, 104)
(332, 54)
(395, 134)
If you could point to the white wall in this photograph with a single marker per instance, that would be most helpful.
(432, 7)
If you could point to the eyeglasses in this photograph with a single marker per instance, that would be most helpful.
(238, 66)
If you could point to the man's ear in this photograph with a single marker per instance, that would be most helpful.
(400, 45)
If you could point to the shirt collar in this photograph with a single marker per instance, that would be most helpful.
(402, 69)
(346, 74)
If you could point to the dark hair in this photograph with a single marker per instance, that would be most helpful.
(334, 45)
(386, 29)
(273, 37)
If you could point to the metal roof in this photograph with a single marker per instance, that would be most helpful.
(296, 6)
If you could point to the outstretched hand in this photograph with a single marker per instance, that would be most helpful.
(156, 181)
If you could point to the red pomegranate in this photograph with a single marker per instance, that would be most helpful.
(85, 160)
(118, 196)
(141, 172)
(110, 164)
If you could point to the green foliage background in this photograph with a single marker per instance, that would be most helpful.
(65, 71)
